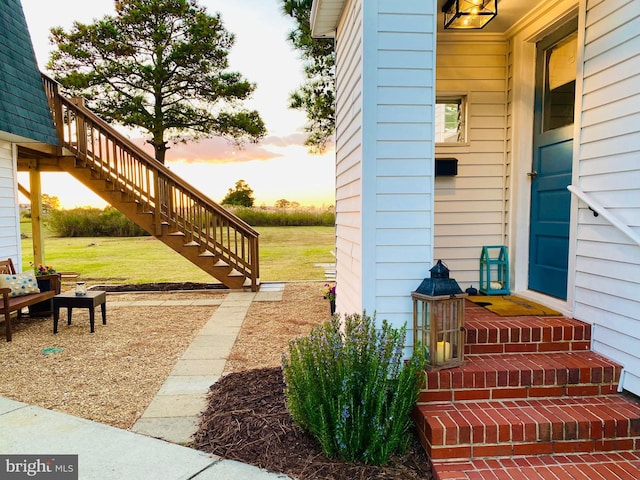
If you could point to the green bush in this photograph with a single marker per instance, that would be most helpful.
(264, 217)
(92, 222)
(347, 385)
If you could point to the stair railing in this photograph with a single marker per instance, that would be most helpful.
(174, 204)
(600, 210)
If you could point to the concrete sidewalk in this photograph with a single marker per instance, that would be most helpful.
(154, 448)
(108, 453)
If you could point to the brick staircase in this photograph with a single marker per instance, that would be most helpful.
(531, 402)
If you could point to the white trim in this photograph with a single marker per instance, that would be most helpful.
(14, 166)
(368, 211)
(577, 144)
(524, 54)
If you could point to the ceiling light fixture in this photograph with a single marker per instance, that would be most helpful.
(469, 14)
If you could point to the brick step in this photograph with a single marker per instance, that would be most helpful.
(490, 334)
(595, 466)
(532, 375)
(469, 430)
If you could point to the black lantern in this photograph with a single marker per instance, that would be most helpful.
(438, 319)
(469, 14)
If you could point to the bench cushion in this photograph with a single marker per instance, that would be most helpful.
(19, 283)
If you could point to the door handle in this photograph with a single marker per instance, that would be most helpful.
(532, 174)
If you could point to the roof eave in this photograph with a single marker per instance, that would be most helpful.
(325, 15)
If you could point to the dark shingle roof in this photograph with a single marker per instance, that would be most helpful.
(23, 104)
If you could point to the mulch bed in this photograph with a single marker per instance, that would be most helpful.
(247, 420)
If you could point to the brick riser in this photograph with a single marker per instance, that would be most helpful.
(528, 427)
(498, 335)
(512, 376)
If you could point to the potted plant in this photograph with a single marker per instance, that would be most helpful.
(48, 279)
(329, 293)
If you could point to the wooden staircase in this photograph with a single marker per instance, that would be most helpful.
(530, 402)
(148, 193)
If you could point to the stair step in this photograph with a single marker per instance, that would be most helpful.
(490, 334)
(533, 375)
(192, 243)
(595, 466)
(468, 430)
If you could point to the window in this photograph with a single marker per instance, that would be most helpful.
(450, 119)
(560, 84)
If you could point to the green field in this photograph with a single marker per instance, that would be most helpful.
(286, 253)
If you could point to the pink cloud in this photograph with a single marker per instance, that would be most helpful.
(221, 150)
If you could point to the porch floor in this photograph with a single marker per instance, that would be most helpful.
(531, 401)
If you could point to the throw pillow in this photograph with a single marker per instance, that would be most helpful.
(19, 283)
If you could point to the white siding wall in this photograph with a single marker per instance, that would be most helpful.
(349, 159)
(385, 153)
(470, 207)
(607, 291)
(9, 226)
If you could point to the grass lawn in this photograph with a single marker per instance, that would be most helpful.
(286, 253)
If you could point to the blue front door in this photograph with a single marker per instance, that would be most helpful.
(552, 161)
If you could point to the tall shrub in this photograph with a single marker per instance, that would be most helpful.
(347, 384)
(92, 222)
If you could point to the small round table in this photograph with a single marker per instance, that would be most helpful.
(70, 300)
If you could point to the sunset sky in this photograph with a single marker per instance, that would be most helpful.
(278, 167)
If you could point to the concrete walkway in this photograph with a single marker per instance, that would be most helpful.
(154, 448)
(173, 415)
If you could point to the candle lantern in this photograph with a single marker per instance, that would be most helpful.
(494, 270)
(438, 319)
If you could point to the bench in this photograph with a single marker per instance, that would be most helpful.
(16, 304)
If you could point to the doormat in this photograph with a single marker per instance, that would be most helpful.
(512, 306)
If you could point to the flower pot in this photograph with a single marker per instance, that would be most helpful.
(46, 283)
(332, 305)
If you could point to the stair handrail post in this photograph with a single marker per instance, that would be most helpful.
(158, 201)
(52, 90)
(81, 127)
(255, 262)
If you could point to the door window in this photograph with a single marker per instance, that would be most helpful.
(560, 84)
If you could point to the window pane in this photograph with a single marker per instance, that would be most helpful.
(560, 84)
(450, 120)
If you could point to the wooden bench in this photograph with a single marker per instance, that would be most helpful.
(16, 304)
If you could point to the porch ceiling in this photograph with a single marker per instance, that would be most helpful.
(325, 15)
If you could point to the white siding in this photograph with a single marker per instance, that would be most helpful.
(349, 159)
(9, 216)
(470, 207)
(607, 291)
(385, 151)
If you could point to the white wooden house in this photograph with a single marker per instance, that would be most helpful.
(517, 151)
(25, 119)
